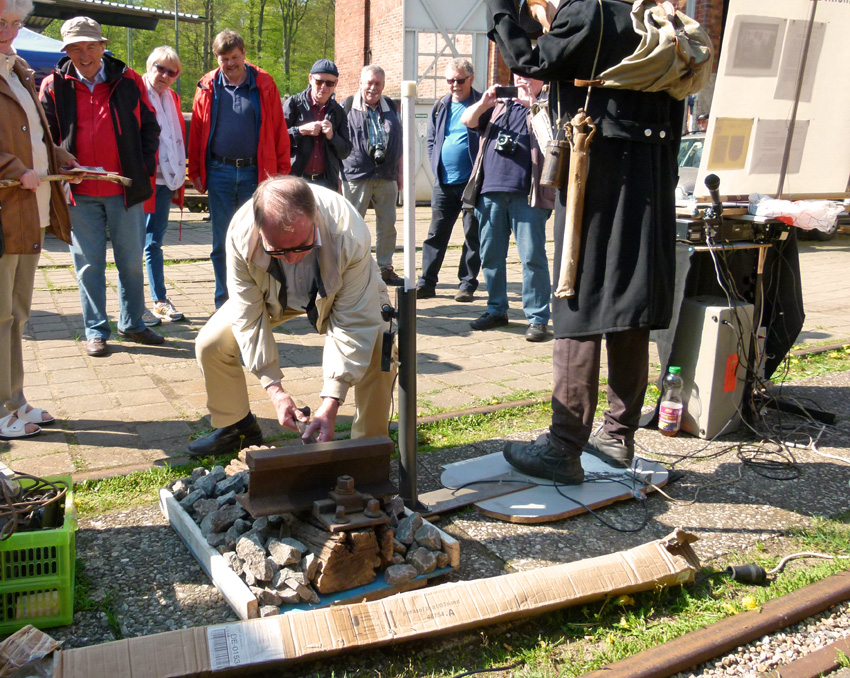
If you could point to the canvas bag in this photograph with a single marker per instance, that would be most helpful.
(674, 54)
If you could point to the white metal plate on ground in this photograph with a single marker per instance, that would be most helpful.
(544, 503)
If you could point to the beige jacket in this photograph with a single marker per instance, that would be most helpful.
(349, 306)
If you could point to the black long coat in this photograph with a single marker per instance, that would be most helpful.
(627, 261)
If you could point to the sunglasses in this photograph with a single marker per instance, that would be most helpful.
(162, 70)
(458, 81)
(290, 250)
(327, 83)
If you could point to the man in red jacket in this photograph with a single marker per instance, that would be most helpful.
(237, 139)
(98, 109)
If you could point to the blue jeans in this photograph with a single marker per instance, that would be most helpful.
(228, 188)
(446, 203)
(155, 226)
(90, 218)
(498, 214)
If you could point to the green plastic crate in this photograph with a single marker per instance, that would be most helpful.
(37, 573)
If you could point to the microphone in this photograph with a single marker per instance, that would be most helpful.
(712, 183)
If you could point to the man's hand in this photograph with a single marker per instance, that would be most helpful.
(526, 97)
(199, 187)
(30, 180)
(310, 129)
(322, 427)
(287, 412)
(327, 128)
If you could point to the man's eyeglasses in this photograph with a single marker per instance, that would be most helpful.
(290, 250)
(458, 81)
(15, 25)
(162, 70)
(327, 83)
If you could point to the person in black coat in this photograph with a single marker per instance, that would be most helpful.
(318, 128)
(625, 278)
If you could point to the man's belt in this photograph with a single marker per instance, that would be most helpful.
(236, 162)
(313, 177)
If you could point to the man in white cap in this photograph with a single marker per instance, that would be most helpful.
(98, 109)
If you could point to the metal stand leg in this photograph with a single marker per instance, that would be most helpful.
(406, 304)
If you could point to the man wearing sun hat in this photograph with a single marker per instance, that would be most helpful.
(98, 109)
(318, 128)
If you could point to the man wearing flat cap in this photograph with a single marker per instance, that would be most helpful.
(237, 139)
(318, 128)
(98, 109)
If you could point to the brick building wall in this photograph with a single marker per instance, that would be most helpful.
(368, 32)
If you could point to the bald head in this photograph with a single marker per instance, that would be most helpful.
(285, 213)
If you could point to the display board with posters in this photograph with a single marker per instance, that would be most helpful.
(781, 60)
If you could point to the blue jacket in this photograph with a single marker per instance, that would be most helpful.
(437, 132)
(359, 165)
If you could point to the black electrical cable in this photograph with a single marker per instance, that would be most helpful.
(36, 496)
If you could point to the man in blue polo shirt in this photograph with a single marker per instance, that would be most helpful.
(452, 149)
(238, 138)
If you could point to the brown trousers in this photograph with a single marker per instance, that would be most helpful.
(17, 278)
(576, 393)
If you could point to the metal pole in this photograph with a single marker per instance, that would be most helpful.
(406, 303)
(176, 44)
(793, 121)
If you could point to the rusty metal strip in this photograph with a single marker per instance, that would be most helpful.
(291, 479)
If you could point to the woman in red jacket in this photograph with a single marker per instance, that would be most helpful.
(163, 68)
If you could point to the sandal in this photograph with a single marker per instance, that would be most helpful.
(9, 430)
(34, 415)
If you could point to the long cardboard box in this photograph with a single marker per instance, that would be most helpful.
(237, 648)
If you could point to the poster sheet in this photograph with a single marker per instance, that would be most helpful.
(762, 65)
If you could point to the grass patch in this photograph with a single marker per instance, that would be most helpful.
(94, 497)
(800, 367)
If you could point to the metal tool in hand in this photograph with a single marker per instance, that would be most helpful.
(302, 425)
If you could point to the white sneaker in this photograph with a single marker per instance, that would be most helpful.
(164, 310)
(150, 319)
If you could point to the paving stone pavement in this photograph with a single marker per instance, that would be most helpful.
(138, 406)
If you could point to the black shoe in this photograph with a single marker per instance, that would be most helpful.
(227, 439)
(488, 322)
(146, 336)
(617, 453)
(541, 460)
(464, 296)
(535, 332)
(423, 292)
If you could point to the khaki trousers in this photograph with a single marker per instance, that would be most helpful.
(227, 391)
(17, 278)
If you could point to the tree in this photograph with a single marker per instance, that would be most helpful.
(292, 13)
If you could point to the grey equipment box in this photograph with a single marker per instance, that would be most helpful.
(712, 346)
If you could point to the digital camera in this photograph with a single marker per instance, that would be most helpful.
(378, 154)
(506, 143)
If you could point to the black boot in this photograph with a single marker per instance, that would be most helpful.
(614, 452)
(541, 460)
(228, 439)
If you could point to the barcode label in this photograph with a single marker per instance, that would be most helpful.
(243, 643)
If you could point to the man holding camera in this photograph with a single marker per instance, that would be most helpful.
(372, 172)
(505, 192)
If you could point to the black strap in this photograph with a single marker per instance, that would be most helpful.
(276, 272)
